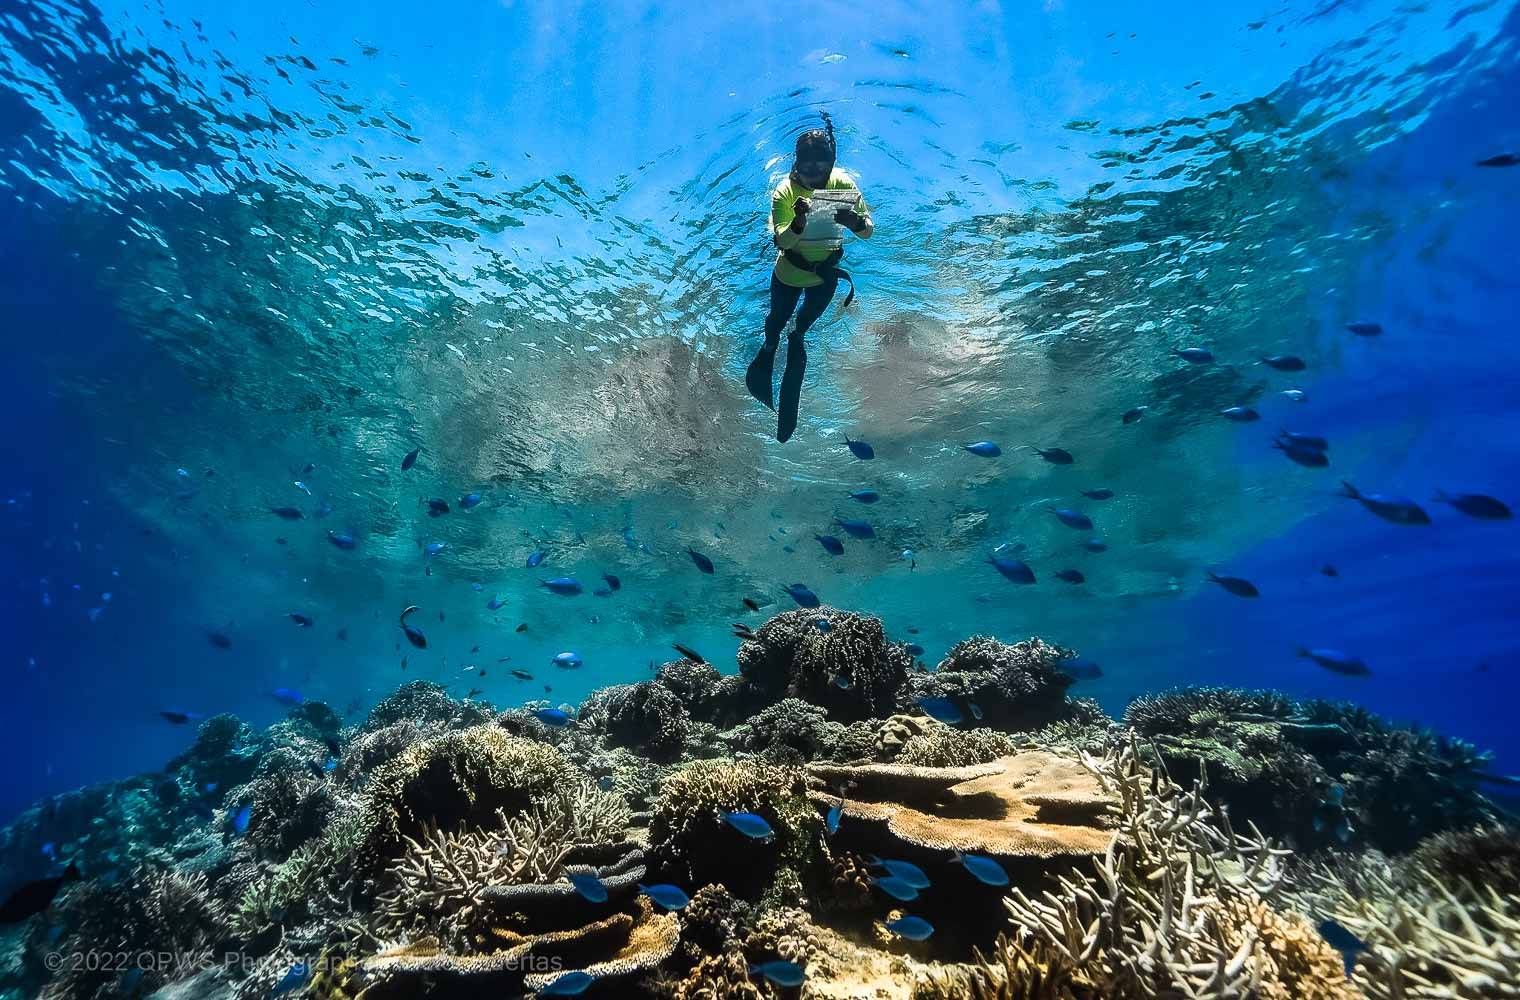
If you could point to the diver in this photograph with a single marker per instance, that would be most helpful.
(806, 267)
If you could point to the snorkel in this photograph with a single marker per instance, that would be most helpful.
(813, 161)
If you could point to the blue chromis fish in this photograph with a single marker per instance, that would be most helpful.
(1240, 414)
(552, 717)
(293, 980)
(241, 817)
(1194, 355)
(668, 896)
(982, 869)
(470, 500)
(287, 513)
(831, 821)
(803, 596)
(302, 621)
(1095, 545)
(896, 888)
(780, 971)
(865, 496)
(1484, 508)
(747, 823)
(914, 649)
(1365, 329)
(1398, 510)
(343, 540)
(565, 586)
(1343, 941)
(1072, 518)
(823, 625)
(842, 682)
(831, 545)
(1309, 458)
(605, 783)
(433, 548)
(571, 984)
(413, 633)
(983, 449)
(1295, 395)
(911, 927)
(1099, 494)
(536, 559)
(856, 529)
(1055, 456)
(941, 709)
(567, 660)
(1071, 576)
(1133, 415)
(1336, 661)
(613, 583)
(703, 563)
(1293, 439)
(410, 459)
(496, 603)
(1236, 585)
(860, 449)
(1012, 569)
(904, 871)
(287, 696)
(1284, 362)
(588, 886)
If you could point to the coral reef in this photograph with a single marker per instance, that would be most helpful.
(646, 717)
(791, 657)
(1017, 687)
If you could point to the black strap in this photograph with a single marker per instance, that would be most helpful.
(828, 269)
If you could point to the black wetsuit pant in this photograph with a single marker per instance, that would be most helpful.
(783, 303)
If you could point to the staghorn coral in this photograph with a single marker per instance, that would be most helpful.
(789, 657)
(1482, 856)
(694, 847)
(1017, 687)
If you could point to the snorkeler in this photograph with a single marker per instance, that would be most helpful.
(806, 267)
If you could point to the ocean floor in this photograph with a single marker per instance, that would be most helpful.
(836, 820)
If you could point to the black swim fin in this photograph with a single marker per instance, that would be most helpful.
(759, 379)
(791, 389)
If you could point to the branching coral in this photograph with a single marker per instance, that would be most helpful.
(1017, 687)
(791, 657)
(646, 717)
(423, 703)
(945, 746)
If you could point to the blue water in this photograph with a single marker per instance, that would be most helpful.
(531, 240)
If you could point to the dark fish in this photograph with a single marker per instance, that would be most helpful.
(287, 696)
(605, 783)
(1296, 440)
(343, 634)
(470, 500)
(521, 675)
(1095, 545)
(703, 563)
(413, 633)
(780, 971)
(1194, 355)
(1133, 415)
(1363, 329)
(521, 628)
(914, 649)
(1329, 570)
(1071, 576)
(34, 897)
(410, 459)
(1098, 494)
(1485, 508)
(912, 630)
(1311, 458)
(437, 507)
(304, 621)
(219, 640)
(1336, 661)
(1236, 585)
(565, 586)
(983, 449)
(865, 496)
(1285, 362)
(688, 652)
(742, 631)
(803, 596)
(1012, 570)
(748, 603)
(536, 559)
(613, 583)
(1055, 456)
(1398, 510)
(1082, 670)
(1343, 941)
(1240, 414)
(860, 449)
(1072, 518)
(855, 529)
(178, 718)
(496, 603)
(831, 545)
(343, 540)
(1501, 160)
(287, 513)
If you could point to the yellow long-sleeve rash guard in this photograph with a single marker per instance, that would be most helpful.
(782, 213)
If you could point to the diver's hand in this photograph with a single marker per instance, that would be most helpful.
(850, 219)
(799, 221)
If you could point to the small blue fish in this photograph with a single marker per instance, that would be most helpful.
(911, 927)
(903, 871)
(822, 625)
(613, 583)
(570, 984)
(780, 972)
(860, 449)
(565, 586)
(1315, 442)
(302, 487)
(1194, 355)
(330, 765)
(287, 696)
(752, 826)
(983, 869)
(1082, 670)
(941, 709)
(1343, 941)
(831, 545)
(1072, 518)
(703, 563)
(865, 496)
(1478, 505)
(831, 821)
(668, 896)
(1133, 415)
(856, 529)
(343, 540)
(1098, 494)
(1309, 458)
(589, 886)
(496, 603)
(536, 559)
(605, 783)
(433, 548)
(1012, 569)
(1284, 362)
(1364, 329)
(1398, 510)
(976, 710)
(241, 817)
(209, 787)
(1240, 414)
(477, 586)
(842, 682)
(1071, 576)
(1238, 586)
(49, 850)
(803, 596)
(983, 449)
(1095, 545)
(1337, 662)
(914, 649)
(1336, 795)
(470, 500)
(1296, 395)
(1055, 456)
(552, 717)
(567, 660)
(896, 888)
(294, 979)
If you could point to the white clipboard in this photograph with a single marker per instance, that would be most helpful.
(821, 229)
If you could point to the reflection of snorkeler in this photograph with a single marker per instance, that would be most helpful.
(805, 269)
